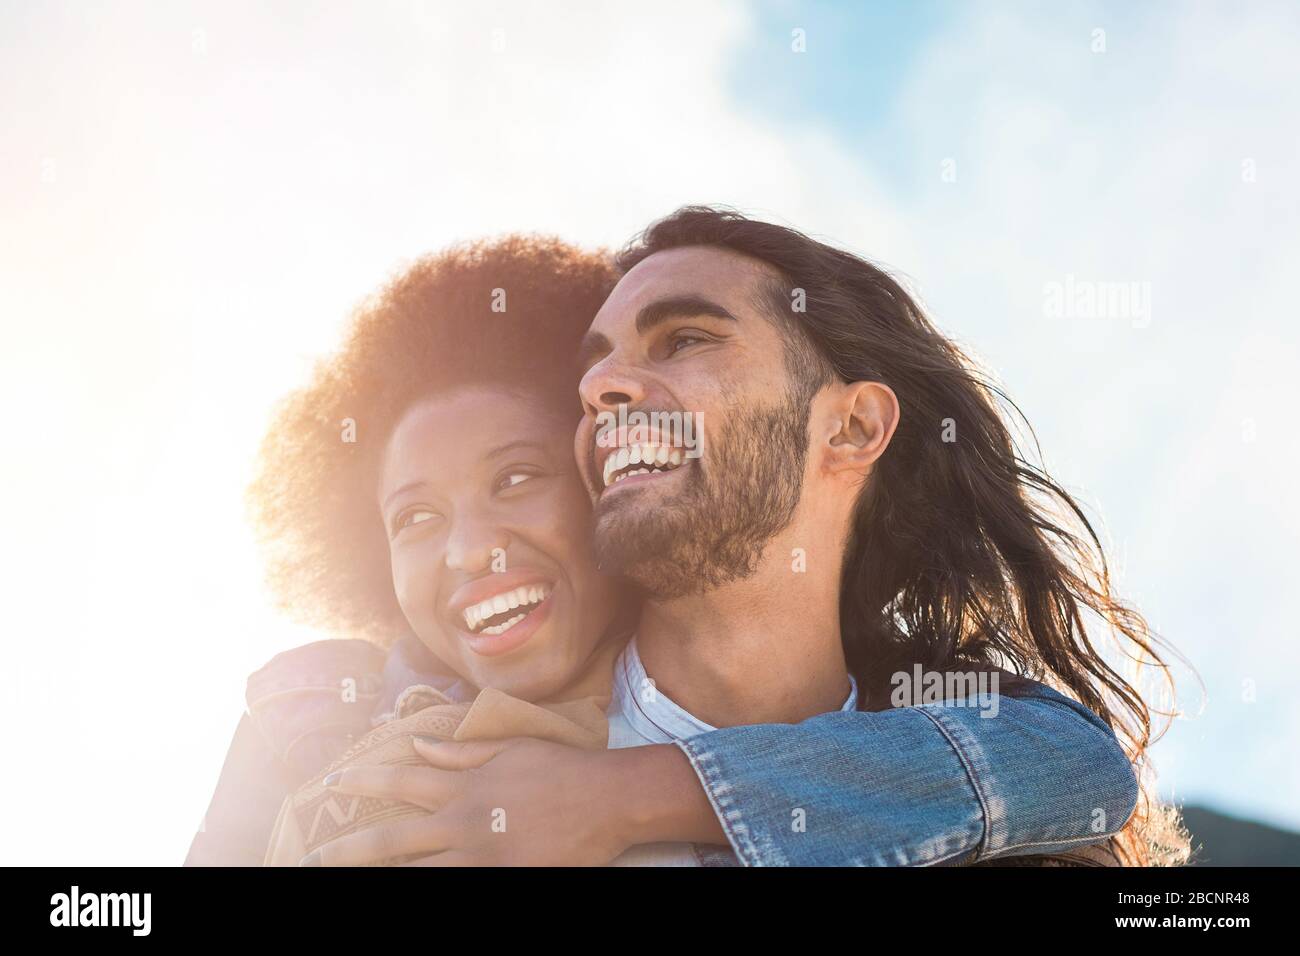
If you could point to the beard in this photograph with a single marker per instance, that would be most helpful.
(714, 529)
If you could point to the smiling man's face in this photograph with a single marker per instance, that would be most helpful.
(689, 331)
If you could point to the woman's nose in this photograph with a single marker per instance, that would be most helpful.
(473, 546)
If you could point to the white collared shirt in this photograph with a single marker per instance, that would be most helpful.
(639, 715)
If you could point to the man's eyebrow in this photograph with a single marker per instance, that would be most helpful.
(679, 307)
(594, 345)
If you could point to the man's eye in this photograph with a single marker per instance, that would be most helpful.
(682, 340)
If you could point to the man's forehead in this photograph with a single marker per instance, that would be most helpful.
(721, 275)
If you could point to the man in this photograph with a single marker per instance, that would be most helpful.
(741, 550)
(783, 347)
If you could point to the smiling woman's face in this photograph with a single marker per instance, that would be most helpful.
(489, 530)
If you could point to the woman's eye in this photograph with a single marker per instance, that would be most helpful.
(413, 517)
(512, 479)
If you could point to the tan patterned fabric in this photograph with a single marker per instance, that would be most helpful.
(316, 814)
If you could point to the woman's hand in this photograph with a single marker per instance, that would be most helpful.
(518, 802)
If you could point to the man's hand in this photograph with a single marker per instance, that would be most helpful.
(518, 802)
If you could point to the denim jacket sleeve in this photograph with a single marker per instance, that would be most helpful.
(918, 786)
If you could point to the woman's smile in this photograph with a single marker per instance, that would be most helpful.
(515, 635)
(501, 612)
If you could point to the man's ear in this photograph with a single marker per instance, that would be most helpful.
(867, 414)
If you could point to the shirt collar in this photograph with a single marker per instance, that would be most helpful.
(653, 713)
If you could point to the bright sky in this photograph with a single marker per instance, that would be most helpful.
(192, 197)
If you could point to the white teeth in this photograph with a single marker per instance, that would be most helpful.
(504, 625)
(656, 458)
(524, 596)
(629, 474)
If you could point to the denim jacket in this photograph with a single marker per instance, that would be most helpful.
(917, 786)
(914, 786)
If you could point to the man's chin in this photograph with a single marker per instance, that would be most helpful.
(635, 544)
(637, 509)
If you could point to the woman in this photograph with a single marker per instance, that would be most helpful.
(432, 456)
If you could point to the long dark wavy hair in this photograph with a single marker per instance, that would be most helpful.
(964, 553)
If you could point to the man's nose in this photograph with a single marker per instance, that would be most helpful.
(474, 543)
(609, 384)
